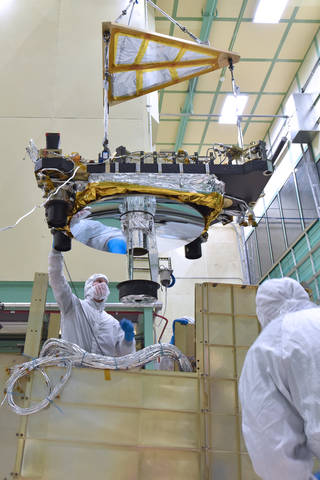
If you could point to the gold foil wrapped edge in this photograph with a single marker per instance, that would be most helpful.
(99, 190)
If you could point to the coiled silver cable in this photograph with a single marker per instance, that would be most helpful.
(61, 353)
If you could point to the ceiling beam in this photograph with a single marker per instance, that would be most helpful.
(234, 19)
(172, 25)
(265, 81)
(215, 98)
(207, 20)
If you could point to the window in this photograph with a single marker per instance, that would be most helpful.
(305, 271)
(301, 249)
(287, 263)
(276, 230)
(318, 167)
(263, 246)
(276, 272)
(290, 210)
(252, 255)
(308, 207)
(314, 234)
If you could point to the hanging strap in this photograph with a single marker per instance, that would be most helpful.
(125, 11)
(182, 27)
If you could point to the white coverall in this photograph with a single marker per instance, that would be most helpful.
(85, 322)
(279, 386)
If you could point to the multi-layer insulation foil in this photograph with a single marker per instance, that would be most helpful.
(138, 62)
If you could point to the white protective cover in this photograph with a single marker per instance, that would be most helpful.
(125, 83)
(279, 386)
(85, 322)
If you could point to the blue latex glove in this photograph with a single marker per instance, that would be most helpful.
(117, 245)
(127, 327)
(183, 321)
(317, 475)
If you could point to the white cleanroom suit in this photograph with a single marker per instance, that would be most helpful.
(85, 322)
(279, 386)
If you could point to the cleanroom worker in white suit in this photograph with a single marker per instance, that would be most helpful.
(280, 384)
(85, 322)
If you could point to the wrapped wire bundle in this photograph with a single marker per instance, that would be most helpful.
(60, 353)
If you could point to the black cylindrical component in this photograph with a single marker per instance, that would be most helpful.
(193, 251)
(148, 288)
(52, 141)
(57, 213)
(61, 241)
(139, 251)
(277, 152)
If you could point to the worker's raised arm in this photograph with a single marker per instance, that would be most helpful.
(58, 282)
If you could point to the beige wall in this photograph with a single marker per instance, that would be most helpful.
(220, 262)
(51, 80)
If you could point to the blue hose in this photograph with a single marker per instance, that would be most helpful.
(173, 281)
(183, 321)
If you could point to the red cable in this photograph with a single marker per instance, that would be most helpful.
(166, 320)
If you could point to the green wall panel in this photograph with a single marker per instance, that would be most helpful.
(287, 263)
(314, 234)
(294, 276)
(301, 249)
(305, 271)
(316, 260)
(276, 272)
(20, 292)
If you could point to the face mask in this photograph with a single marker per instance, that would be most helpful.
(100, 291)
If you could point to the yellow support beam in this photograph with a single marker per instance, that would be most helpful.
(31, 349)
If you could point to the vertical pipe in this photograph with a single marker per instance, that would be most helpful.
(235, 90)
(106, 38)
(235, 366)
(130, 262)
(258, 254)
(148, 331)
(240, 135)
(153, 252)
(313, 176)
(31, 349)
(242, 254)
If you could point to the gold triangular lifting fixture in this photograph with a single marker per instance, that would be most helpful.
(138, 62)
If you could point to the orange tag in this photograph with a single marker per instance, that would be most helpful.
(107, 375)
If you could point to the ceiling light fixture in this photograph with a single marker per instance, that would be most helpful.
(233, 106)
(269, 11)
(4, 4)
